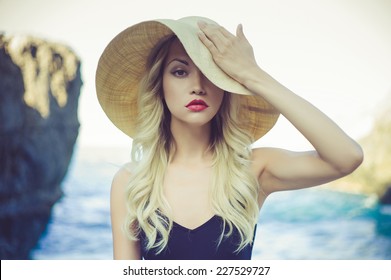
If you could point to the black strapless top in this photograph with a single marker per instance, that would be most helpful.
(200, 243)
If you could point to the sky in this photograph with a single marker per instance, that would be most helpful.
(334, 53)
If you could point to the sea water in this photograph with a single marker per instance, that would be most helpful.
(314, 223)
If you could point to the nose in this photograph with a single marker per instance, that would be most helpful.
(198, 83)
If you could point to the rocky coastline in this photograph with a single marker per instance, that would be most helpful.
(40, 84)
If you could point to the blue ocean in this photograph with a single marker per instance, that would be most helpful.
(310, 224)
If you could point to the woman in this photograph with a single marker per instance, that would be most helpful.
(193, 99)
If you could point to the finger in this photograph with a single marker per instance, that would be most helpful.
(208, 43)
(216, 34)
(239, 31)
(226, 33)
(202, 24)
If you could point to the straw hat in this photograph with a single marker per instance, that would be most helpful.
(123, 63)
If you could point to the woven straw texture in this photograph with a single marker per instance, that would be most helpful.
(123, 63)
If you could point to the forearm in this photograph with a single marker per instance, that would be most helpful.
(332, 144)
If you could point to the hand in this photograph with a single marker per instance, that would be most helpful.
(233, 54)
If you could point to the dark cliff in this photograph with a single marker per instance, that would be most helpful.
(40, 85)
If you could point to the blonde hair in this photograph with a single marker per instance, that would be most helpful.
(148, 210)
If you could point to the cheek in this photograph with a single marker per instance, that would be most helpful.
(171, 86)
(165, 85)
(169, 94)
(167, 88)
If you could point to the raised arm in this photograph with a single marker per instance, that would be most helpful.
(335, 154)
(123, 247)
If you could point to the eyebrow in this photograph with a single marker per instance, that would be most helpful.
(179, 60)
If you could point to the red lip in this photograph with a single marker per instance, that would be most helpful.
(197, 105)
(197, 102)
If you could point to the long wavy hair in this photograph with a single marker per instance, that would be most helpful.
(234, 190)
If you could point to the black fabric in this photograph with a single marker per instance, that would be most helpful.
(200, 243)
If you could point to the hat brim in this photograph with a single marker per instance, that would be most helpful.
(123, 64)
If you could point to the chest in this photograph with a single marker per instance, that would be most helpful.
(187, 191)
(201, 243)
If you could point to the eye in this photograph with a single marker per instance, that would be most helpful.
(179, 73)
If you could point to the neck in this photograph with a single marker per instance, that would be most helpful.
(191, 143)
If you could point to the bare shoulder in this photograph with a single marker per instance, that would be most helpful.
(261, 156)
(123, 247)
(264, 155)
(260, 153)
(120, 182)
(268, 164)
(122, 177)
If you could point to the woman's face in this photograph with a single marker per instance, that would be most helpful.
(189, 95)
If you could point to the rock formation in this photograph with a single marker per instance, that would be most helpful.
(40, 85)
